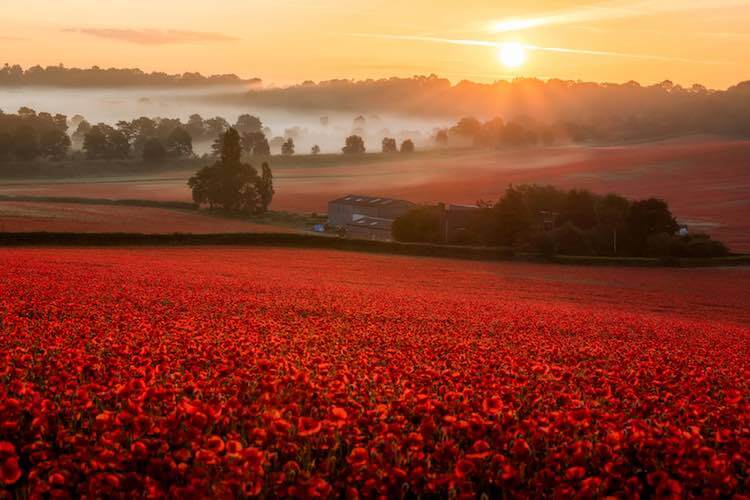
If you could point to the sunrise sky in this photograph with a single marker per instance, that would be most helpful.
(286, 41)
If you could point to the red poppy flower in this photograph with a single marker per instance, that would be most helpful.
(307, 426)
(339, 413)
(358, 457)
(10, 472)
(521, 449)
(215, 444)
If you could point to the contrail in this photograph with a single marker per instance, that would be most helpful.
(611, 10)
(561, 50)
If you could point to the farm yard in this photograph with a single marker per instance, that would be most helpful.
(705, 180)
(241, 372)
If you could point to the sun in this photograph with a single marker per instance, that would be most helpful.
(512, 54)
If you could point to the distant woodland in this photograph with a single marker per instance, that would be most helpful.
(585, 111)
(60, 76)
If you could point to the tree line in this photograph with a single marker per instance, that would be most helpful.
(60, 76)
(28, 135)
(549, 220)
(583, 110)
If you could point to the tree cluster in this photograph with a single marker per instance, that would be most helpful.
(151, 139)
(231, 184)
(389, 145)
(60, 76)
(28, 135)
(548, 220)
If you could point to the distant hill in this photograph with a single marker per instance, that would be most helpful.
(60, 76)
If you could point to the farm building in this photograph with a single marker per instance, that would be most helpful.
(371, 228)
(342, 211)
(368, 217)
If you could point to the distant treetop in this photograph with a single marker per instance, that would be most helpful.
(60, 76)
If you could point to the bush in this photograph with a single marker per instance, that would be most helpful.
(696, 246)
(419, 224)
(570, 240)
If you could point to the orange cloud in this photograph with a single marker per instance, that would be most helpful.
(152, 36)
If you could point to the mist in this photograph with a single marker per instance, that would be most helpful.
(325, 128)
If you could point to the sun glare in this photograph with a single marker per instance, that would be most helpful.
(512, 54)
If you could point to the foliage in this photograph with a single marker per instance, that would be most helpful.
(389, 145)
(354, 145)
(231, 184)
(106, 142)
(28, 135)
(647, 218)
(419, 224)
(154, 150)
(407, 146)
(255, 144)
(548, 220)
(178, 143)
(287, 149)
(111, 77)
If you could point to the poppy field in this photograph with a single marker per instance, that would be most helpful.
(243, 372)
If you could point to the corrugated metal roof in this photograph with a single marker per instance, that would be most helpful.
(361, 200)
(372, 222)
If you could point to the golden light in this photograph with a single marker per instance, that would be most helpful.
(512, 54)
(516, 25)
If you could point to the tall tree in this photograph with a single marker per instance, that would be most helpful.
(179, 143)
(265, 187)
(354, 145)
(248, 124)
(407, 146)
(287, 149)
(389, 145)
(228, 183)
(54, 143)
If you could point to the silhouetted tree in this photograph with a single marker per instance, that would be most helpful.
(511, 218)
(256, 144)
(287, 149)
(389, 145)
(104, 142)
(229, 183)
(6, 145)
(248, 124)
(315, 150)
(579, 209)
(179, 143)
(54, 143)
(649, 217)
(154, 150)
(25, 143)
(354, 145)
(407, 146)
(441, 137)
(419, 224)
(265, 187)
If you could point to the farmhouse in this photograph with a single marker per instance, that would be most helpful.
(366, 216)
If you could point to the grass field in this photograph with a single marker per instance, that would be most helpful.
(705, 180)
(235, 372)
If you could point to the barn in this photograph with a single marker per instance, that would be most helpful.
(366, 216)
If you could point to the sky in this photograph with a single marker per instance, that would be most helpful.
(286, 41)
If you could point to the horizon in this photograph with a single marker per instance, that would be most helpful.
(262, 84)
(615, 41)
